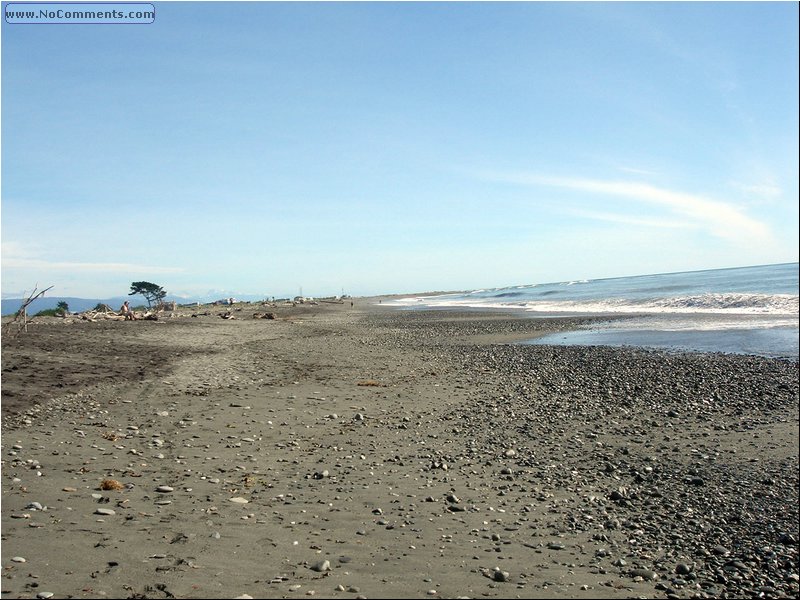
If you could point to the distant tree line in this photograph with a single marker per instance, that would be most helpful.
(61, 309)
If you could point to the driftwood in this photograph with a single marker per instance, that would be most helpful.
(95, 315)
(22, 313)
(269, 315)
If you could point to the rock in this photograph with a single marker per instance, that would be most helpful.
(165, 489)
(239, 500)
(620, 494)
(498, 575)
(321, 566)
(18, 559)
(645, 574)
(107, 512)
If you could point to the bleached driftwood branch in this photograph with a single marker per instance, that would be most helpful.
(22, 313)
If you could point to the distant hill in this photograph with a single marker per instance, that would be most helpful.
(9, 306)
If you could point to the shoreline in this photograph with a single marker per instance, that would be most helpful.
(389, 453)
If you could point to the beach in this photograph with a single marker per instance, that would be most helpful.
(363, 451)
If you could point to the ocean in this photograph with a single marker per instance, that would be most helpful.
(746, 310)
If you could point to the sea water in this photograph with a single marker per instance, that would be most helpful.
(747, 310)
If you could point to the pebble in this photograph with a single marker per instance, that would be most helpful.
(18, 559)
(645, 574)
(165, 489)
(323, 565)
(105, 511)
(499, 575)
(683, 569)
(239, 500)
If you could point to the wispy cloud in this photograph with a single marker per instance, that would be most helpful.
(636, 171)
(629, 220)
(719, 218)
(763, 192)
(35, 263)
(17, 255)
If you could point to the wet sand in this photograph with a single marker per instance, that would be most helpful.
(366, 452)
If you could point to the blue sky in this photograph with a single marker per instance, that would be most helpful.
(257, 147)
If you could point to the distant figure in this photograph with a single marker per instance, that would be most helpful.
(127, 312)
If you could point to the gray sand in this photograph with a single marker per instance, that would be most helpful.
(346, 453)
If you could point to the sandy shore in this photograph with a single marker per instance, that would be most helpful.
(365, 452)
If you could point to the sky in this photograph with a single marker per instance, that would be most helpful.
(365, 148)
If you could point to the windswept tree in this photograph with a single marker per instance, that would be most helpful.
(154, 294)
